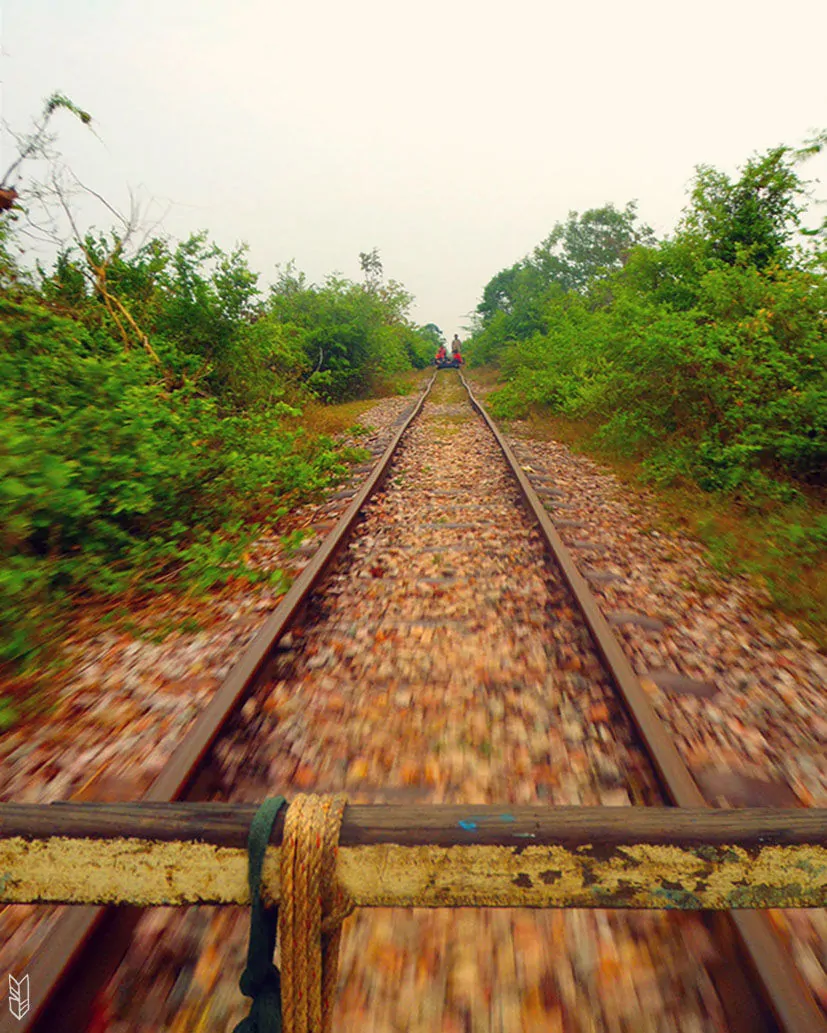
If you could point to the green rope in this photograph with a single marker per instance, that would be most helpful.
(260, 979)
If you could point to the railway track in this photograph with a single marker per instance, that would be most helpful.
(226, 753)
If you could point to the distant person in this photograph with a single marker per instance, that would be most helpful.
(456, 350)
(441, 355)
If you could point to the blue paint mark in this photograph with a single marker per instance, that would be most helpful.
(468, 824)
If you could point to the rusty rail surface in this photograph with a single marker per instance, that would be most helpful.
(780, 983)
(65, 976)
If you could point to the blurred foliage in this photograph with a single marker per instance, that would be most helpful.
(152, 408)
(581, 251)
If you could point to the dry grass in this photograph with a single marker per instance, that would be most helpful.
(333, 419)
(399, 383)
(483, 376)
(338, 419)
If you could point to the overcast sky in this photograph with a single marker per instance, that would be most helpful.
(450, 134)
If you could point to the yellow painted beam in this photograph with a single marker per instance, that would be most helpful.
(84, 870)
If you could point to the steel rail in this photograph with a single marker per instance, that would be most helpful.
(67, 972)
(781, 985)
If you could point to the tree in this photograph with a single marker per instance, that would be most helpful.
(50, 211)
(576, 253)
(433, 334)
(810, 149)
(590, 245)
(371, 268)
(498, 294)
(752, 218)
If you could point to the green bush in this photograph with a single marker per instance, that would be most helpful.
(150, 408)
(111, 480)
(348, 336)
(706, 355)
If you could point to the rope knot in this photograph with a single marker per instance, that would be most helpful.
(255, 984)
(312, 911)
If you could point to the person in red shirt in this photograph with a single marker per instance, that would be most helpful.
(456, 350)
(441, 355)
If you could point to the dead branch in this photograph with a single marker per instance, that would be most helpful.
(113, 304)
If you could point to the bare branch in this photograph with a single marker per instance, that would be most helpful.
(90, 190)
(152, 227)
(114, 306)
(37, 140)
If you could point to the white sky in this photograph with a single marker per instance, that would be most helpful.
(451, 135)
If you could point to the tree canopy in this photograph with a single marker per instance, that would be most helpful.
(576, 253)
(708, 350)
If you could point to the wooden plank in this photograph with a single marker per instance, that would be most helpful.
(626, 875)
(227, 824)
(426, 856)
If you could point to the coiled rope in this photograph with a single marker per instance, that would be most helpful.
(299, 998)
(312, 911)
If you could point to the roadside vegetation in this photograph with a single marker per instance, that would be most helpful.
(153, 397)
(698, 363)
